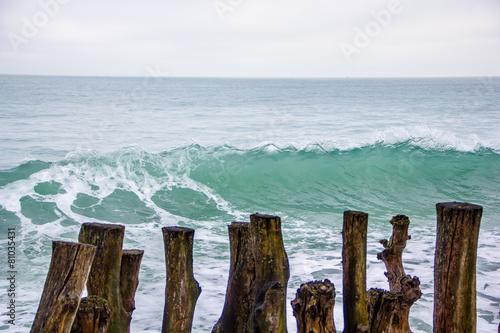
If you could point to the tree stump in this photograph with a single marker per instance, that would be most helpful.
(389, 311)
(92, 317)
(107, 278)
(258, 276)
(68, 272)
(455, 267)
(182, 290)
(313, 307)
(354, 272)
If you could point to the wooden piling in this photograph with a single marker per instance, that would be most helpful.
(258, 276)
(105, 279)
(236, 316)
(455, 267)
(354, 272)
(182, 290)
(388, 311)
(313, 307)
(68, 272)
(271, 273)
(92, 317)
(129, 281)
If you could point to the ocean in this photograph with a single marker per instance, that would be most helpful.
(150, 152)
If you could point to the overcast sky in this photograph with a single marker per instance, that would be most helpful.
(251, 38)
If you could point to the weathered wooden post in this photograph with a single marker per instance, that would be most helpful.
(271, 274)
(68, 272)
(92, 317)
(313, 307)
(182, 290)
(389, 311)
(455, 267)
(354, 272)
(129, 281)
(105, 279)
(258, 276)
(236, 316)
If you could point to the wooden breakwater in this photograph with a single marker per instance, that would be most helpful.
(258, 276)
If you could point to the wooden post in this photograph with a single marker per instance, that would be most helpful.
(92, 317)
(104, 279)
(354, 272)
(455, 267)
(389, 311)
(236, 316)
(182, 290)
(258, 276)
(271, 274)
(68, 272)
(106, 275)
(313, 307)
(129, 280)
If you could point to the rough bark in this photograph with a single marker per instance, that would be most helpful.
(107, 278)
(381, 309)
(389, 311)
(354, 272)
(92, 317)
(258, 276)
(392, 255)
(129, 280)
(313, 307)
(68, 272)
(182, 290)
(455, 267)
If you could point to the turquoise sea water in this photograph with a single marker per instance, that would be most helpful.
(153, 152)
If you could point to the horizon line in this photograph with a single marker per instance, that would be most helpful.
(254, 77)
